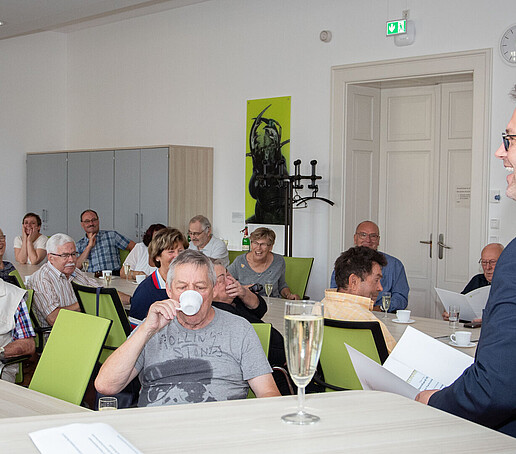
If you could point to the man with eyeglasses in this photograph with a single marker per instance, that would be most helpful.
(201, 239)
(488, 259)
(484, 393)
(394, 279)
(100, 247)
(52, 283)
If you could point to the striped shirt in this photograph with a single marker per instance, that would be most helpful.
(53, 289)
(344, 306)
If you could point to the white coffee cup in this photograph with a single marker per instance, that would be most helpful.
(106, 273)
(403, 315)
(140, 278)
(190, 302)
(461, 338)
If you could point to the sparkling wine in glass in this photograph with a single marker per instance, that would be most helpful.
(386, 302)
(85, 265)
(127, 270)
(268, 291)
(304, 325)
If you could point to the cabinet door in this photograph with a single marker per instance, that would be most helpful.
(102, 177)
(78, 191)
(127, 193)
(47, 190)
(153, 188)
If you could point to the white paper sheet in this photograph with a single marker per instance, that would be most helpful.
(418, 361)
(98, 438)
(471, 304)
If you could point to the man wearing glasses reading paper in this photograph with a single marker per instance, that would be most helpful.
(484, 393)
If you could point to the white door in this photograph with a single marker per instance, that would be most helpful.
(425, 184)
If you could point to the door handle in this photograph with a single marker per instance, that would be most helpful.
(428, 242)
(442, 246)
(136, 220)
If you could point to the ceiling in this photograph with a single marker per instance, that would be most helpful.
(23, 17)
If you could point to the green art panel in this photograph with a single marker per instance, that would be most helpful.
(268, 139)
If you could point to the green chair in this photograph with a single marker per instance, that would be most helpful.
(366, 337)
(109, 307)
(263, 330)
(16, 275)
(123, 255)
(234, 254)
(297, 273)
(40, 331)
(72, 350)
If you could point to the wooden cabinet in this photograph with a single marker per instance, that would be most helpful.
(129, 188)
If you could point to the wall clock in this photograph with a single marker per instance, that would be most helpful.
(508, 45)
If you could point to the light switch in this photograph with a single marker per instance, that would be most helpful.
(494, 223)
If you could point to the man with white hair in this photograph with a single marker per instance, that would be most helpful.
(52, 283)
(199, 231)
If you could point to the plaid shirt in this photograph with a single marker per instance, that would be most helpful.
(343, 306)
(104, 255)
(23, 326)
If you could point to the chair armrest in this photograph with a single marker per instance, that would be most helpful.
(287, 378)
(321, 382)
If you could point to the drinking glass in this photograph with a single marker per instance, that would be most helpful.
(85, 265)
(304, 325)
(268, 291)
(453, 318)
(108, 403)
(386, 302)
(107, 278)
(127, 270)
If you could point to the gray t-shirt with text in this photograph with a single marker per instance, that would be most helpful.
(178, 365)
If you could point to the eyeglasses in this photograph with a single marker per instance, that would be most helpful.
(507, 140)
(196, 234)
(372, 236)
(261, 244)
(487, 262)
(90, 221)
(67, 255)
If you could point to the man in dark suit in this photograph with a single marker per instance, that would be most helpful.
(485, 392)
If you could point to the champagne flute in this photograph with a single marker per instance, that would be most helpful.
(386, 302)
(85, 265)
(268, 291)
(107, 278)
(304, 325)
(127, 270)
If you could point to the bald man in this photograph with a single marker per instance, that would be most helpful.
(488, 259)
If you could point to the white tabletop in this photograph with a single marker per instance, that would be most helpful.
(351, 422)
(439, 329)
(18, 401)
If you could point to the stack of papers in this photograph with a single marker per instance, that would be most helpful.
(471, 304)
(417, 363)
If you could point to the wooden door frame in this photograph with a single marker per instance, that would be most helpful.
(476, 62)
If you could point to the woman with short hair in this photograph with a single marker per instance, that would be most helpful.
(165, 246)
(262, 266)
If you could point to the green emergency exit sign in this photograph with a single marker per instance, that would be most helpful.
(396, 27)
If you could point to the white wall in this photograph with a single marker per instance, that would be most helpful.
(183, 77)
(32, 116)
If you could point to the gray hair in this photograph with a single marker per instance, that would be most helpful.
(191, 257)
(57, 240)
(205, 222)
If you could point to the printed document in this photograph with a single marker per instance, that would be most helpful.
(471, 304)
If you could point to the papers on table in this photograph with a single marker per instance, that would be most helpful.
(471, 304)
(418, 362)
(98, 438)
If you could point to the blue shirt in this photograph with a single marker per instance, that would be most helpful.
(104, 255)
(394, 280)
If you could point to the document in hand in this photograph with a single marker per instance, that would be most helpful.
(471, 304)
(418, 362)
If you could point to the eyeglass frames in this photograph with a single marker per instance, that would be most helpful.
(506, 140)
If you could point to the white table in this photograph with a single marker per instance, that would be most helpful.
(439, 329)
(16, 401)
(351, 422)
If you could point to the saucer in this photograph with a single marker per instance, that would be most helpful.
(471, 344)
(408, 322)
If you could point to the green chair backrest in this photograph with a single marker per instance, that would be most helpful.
(123, 255)
(70, 354)
(264, 334)
(110, 307)
(18, 278)
(366, 337)
(297, 273)
(234, 254)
